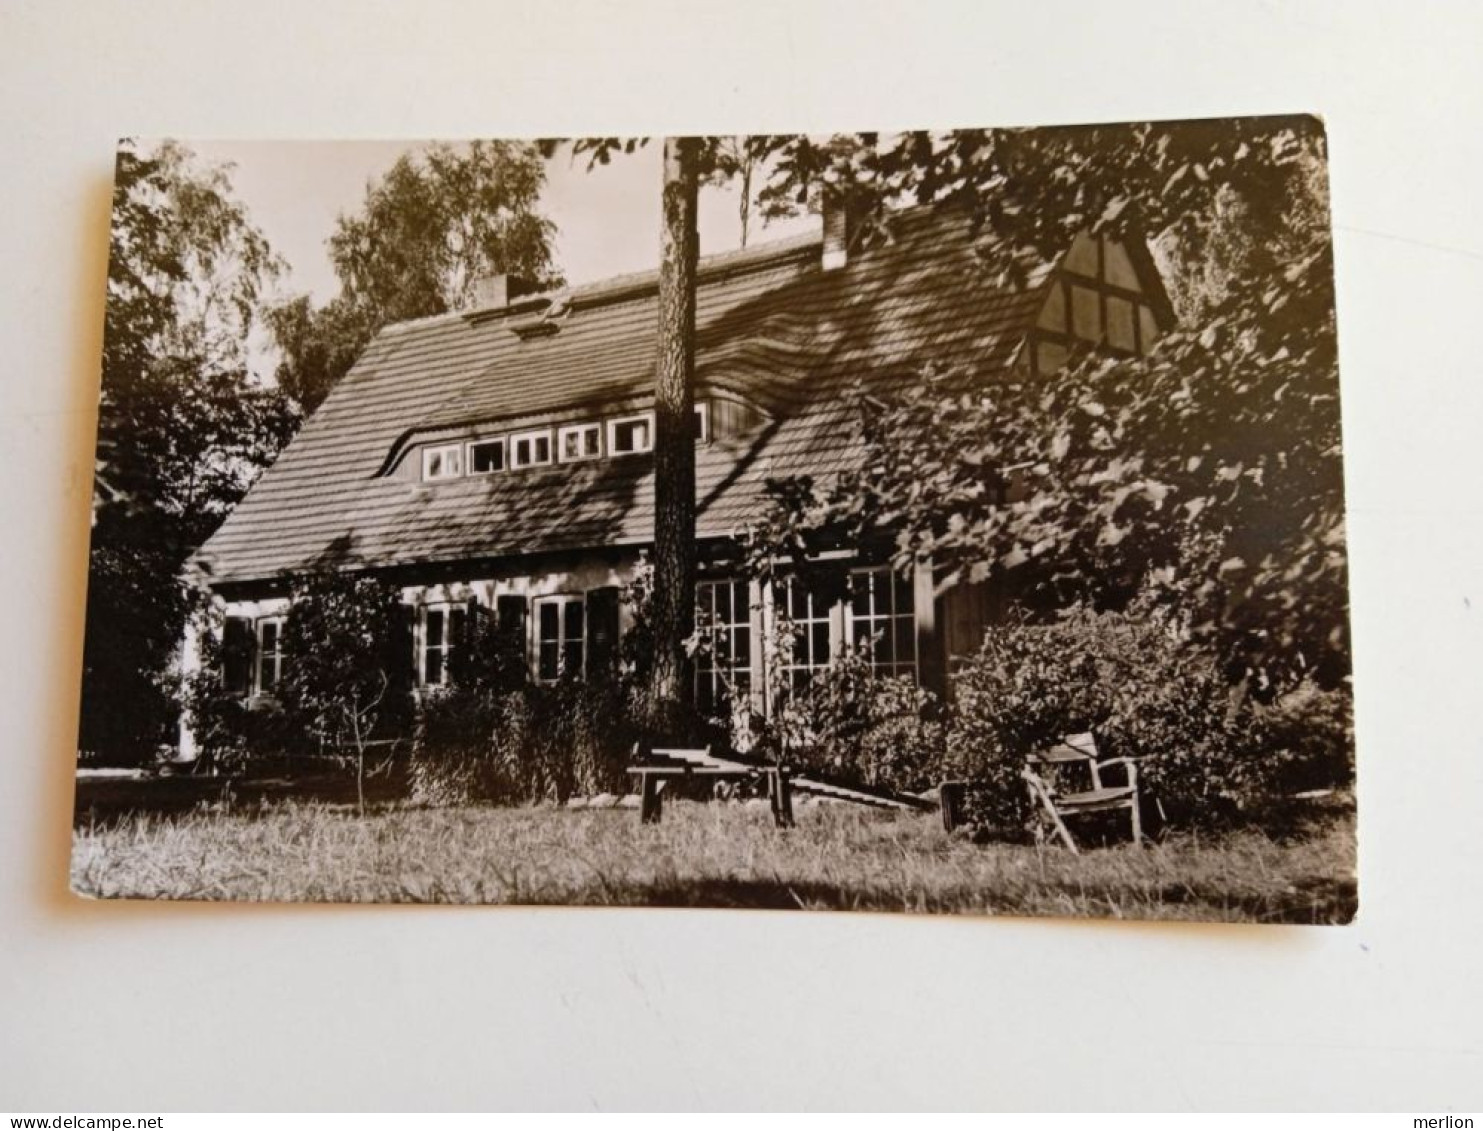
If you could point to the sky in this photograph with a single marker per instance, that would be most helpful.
(607, 219)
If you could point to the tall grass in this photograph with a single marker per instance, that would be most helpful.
(705, 855)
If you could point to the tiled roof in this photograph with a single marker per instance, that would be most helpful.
(772, 328)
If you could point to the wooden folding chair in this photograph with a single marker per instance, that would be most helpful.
(1045, 771)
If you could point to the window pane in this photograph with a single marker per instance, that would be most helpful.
(903, 588)
(1086, 314)
(1148, 327)
(797, 601)
(572, 664)
(1082, 258)
(542, 449)
(860, 594)
(1120, 323)
(905, 639)
(1053, 313)
(741, 647)
(1119, 268)
(550, 621)
(434, 632)
(1050, 356)
(453, 461)
(486, 457)
(549, 666)
(270, 636)
(821, 642)
(574, 618)
(432, 666)
(723, 603)
(432, 466)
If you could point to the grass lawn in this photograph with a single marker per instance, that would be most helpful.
(727, 855)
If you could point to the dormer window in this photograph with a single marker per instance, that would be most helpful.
(578, 442)
(442, 462)
(530, 449)
(486, 456)
(631, 435)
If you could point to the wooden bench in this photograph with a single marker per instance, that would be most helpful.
(662, 766)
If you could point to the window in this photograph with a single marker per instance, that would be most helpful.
(1086, 314)
(440, 628)
(579, 441)
(723, 671)
(631, 435)
(883, 612)
(1120, 332)
(808, 614)
(530, 449)
(486, 457)
(560, 636)
(443, 462)
(702, 422)
(269, 654)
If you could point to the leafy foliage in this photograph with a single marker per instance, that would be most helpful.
(1212, 466)
(427, 231)
(347, 670)
(182, 428)
(1146, 691)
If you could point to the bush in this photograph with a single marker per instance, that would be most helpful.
(521, 746)
(1142, 689)
(857, 727)
(228, 731)
(1305, 739)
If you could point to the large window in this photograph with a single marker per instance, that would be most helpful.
(883, 616)
(723, 670)
(807, 614)
(439, 630)
(269, 655)
(560, 637)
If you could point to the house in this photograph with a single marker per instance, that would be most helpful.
(501, 455)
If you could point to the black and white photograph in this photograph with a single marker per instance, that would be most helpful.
(929, 522)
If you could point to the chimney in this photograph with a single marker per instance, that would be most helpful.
(495, 292)
(841, 226)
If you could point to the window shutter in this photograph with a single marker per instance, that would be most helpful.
(402, 645)
(602, 631)
(511, 611)
(237, 647)
(467, 640)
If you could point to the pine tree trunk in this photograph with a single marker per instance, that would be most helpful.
(674, 445)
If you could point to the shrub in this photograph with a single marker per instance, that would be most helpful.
(855, 726)
(1142, 689)
(229, 732)
(1305, 739)
(521, 746)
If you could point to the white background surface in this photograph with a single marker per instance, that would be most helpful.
(150, 1008)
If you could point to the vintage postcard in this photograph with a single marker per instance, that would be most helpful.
(938, 522)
